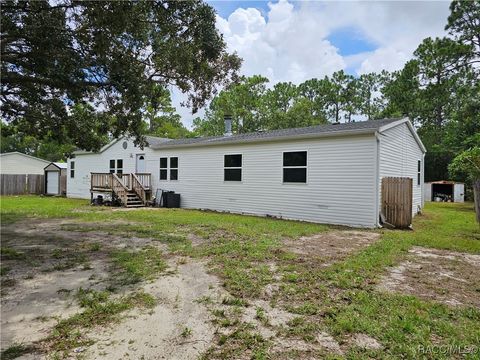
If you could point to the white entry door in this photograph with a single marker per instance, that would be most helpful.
(140, 168)
(52, 182)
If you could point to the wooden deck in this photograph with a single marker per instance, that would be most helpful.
(131, 189)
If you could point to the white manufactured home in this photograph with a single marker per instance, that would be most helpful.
(326, 174)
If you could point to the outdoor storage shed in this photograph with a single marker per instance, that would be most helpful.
(56, 179)
(447, 191)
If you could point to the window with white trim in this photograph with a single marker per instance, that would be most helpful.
(295, 167)
(174, 168)
(116, 166)
(72, 169)
(232, 167)
(163, 168)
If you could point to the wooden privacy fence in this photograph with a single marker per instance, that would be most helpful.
(18, 184)
(397, 201)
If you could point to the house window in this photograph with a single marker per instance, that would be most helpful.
(116, 166)
(163, 168)
(232, 168)
(174, 168)
(119, 166)
(419, 172)
(72, 169)
(295, 167)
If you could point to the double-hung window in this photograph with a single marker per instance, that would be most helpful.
(72, 169)
(232, 167)
(116, 166)
(174, 168)
(163, 168)
(295, 167)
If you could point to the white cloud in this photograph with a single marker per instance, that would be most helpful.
(290, 43)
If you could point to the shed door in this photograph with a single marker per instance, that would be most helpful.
(52, 182)
(459, 193)
(140, 163)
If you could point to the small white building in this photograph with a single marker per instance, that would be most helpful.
(18, 163)
(56, 178)
(444, 191)
(327, 173)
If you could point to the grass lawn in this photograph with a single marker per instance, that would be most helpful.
(339, 298)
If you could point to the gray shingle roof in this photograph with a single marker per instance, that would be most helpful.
(153, 140)
(328, 129)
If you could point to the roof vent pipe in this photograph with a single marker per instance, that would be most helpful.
(228, 125)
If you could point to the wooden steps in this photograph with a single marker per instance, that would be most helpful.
(133, 200)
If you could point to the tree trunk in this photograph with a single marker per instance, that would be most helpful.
(476, 198)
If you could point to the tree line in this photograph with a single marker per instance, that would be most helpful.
(439, 90)
(105, 70)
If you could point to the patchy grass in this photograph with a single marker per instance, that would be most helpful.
(100, 310)
(7, 253)
(14, 351)
(340, 299)
(138, 265)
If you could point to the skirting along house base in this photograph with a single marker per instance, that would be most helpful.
(326, 173)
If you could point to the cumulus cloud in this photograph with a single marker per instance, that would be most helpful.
(291, 43)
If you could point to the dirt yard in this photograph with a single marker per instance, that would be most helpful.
(157, 284)
(51, 260)
(445, 276)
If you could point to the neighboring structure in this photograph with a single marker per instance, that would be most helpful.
(56, 178)
(18, 163)
(327, 173)
(449, 191)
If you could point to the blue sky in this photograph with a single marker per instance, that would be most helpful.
(299, 40)
(348, 40)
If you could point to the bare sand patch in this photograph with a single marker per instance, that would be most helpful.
(366, 342)
(31, 307)
(449, 277)
(331, 246)
(179, 327)
(324, 344)
(50, 265)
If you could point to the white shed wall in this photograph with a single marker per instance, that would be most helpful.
(21, 164)
(340, 186)
(399, 154)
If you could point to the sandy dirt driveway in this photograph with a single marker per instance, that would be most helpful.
(47, 265)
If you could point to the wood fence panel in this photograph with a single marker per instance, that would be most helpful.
(19, 184)
(397, 201)
(63, 184)
(36, 184)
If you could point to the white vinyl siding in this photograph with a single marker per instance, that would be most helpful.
(399, 156)
(86, 163)
(16, 163)
(343, 179)
(340, 187)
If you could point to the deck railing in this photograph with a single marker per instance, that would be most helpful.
(145, 179)
(138, 188)
(119, 188)
(101, 181)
